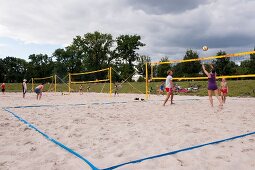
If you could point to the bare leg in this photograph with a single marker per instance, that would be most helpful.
(222, 97)
(40, 95)
(216, 92)
(210, 97)
(172, 96)
(167, 97)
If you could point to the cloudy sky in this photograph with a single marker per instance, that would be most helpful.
(167, 27)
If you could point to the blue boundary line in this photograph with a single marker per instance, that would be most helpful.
(81, 104)
(52, 140)
(178, 151)
(119, 165)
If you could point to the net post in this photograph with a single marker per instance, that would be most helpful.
(146, 80)
(110, 77)
(32, 84)
(55, 85)
(69, 82)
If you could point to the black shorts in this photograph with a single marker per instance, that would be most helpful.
(37, 91)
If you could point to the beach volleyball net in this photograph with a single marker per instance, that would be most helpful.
(229, 66)
(50, 84)
(99, 81)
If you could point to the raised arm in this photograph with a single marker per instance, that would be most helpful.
(203, 66)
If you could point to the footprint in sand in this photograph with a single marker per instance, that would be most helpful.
(28, 142)
(4, 124)
(251, 140)
(120, 154)
(2, 163)
(32, 148)
(247, 150)
(26, 128)
(223, 158)
(196, 130)
(181, 162)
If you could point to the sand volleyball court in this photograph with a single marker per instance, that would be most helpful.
(64, 131)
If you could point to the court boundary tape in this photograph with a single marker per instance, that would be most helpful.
(79, 104)
(52, 139)
(180, 150)
(93, 167)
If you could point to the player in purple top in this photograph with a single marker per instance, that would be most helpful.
(212, 85)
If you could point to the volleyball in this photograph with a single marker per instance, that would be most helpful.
(205, 48)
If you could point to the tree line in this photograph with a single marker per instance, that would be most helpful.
(95, 51)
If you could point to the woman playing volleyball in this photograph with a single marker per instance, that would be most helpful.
(212, 85)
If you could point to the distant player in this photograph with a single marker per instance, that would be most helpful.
(116, 89)
(3, 88)
(24, 87)
(88, 88)
(169, 87)
(161, 88)
(223, 89)
(38, 91)
(81, 89)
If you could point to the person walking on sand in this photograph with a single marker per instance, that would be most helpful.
(38, 91)
(24, 87)
(223, 90)
(169, 87)
(116, 89)
(212, 85)
(3, 88)
(88, 88)
(81, 89)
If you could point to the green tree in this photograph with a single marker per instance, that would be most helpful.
(191, 68)
(2, 71)
(40, 65)
(64, 63)
(188, 69)
(86, 53)
(244, 67)
(127, 46)
(252, 56)
(67, 61)
(95, 49)
(247, 66)
(224, 66)
(142, 60)
(252, 65)
(15, 69)
(161, 69)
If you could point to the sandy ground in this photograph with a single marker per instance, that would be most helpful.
(108, 131)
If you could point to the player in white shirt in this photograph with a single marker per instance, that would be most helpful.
(24, 87)
(169, 87)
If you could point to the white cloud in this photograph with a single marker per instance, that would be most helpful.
(167, 28)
